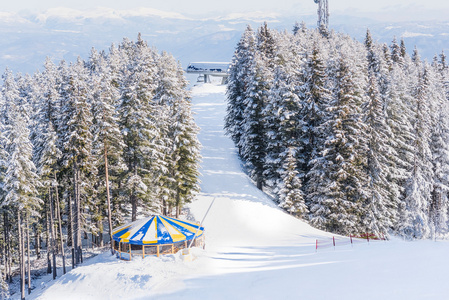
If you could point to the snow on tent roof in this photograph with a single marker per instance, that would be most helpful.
(157, 230)
(214, 67)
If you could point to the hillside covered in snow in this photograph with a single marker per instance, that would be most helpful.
(254, 250)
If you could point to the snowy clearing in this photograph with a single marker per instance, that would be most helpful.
(256, 251)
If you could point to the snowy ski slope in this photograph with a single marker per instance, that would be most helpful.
(256, 251)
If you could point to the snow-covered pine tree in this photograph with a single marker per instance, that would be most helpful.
(316, 99)
(281, 114)
(280, 93)
(140, 132)
(296, 28)
(236, 86)
(337, 178)
(291, 196)
(47, 154)
(380, 203)
(267, 45)
(439, 146)
(21, 181)
(253, 139)
(178, 178)
(77, 141)
(108, 140)
(418, 188)
(6, 211)
(183, 147)
(397, 52)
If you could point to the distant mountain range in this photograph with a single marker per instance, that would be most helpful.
(62, 33)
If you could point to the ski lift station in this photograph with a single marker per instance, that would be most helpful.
(156, 235)
(206, 70)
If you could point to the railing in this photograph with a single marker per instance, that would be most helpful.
(344, 240)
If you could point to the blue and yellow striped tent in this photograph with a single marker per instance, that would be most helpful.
(157, 230)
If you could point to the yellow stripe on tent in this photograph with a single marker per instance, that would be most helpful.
(124, 238)
(174, 233)
(190, 228)
(120, 229)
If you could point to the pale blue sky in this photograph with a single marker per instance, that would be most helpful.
(387, 9)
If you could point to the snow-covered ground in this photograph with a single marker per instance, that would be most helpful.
(256, 251)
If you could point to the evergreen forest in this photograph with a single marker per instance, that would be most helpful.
(88, 144)
(352, 137)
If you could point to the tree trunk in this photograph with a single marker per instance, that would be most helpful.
(78, 218)
(133, 208)
(52, 232)
(37, 242)
(134, 201)
(7, 246)
(77, 230)
(69, 221)
(28, 252)
(47, 240)
(108, 198)
(259, 182)
(21, 256)
(75, 199)
(178, 204)
(60, 226)
(163, 208)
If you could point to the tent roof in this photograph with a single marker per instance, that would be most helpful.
(156, 230)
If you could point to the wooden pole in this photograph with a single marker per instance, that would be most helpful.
(130, 255)
(157, 250)
(143, 251)
(119, 250)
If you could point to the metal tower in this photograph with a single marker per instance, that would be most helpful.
(323, 13)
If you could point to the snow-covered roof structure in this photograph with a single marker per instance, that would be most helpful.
(157, 230)
(156, 235)
(209, 68)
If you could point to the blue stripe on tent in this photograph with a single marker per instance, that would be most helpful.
(117, 236)
(142, 230)
(189, 234)
(184, 222)
(163, 236)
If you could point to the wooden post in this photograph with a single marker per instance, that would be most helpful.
(119, 251)
(157, 250)
(172, 249)
(130, 256)
(143, 251)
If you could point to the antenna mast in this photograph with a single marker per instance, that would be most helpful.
(323, 13)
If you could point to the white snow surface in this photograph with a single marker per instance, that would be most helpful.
(256, 251)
